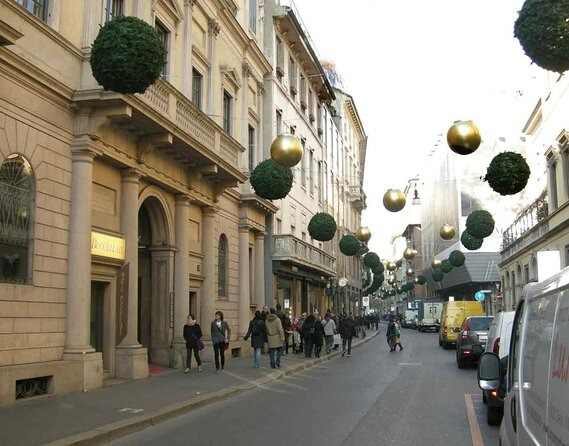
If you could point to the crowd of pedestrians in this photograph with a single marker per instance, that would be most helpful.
(272, 329)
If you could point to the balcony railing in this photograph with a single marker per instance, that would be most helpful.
(288, 247)
(528, 219)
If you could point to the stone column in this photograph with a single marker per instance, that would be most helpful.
(181, 270)
(260, 270)
(78, 304)
(187, 49)
(213, 32)
(244, 291)
(208, 291)
(132, 358)
(246, 70)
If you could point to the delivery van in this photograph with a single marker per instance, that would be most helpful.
(536, 409)
(454, 313)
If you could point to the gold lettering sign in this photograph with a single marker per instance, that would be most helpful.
(104, 245)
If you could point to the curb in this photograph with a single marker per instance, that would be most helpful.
(113, 431)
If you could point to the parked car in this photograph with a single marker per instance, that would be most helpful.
(472, 338)
(499, 343)
(536, 377)
(454, 313)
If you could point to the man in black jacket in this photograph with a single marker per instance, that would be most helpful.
(347, 332)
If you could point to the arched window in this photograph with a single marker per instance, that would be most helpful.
(222, 262)
(16, 207)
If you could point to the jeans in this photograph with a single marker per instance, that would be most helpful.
(189, 357)
(349, 342)
(329, 339)
(256, 357)
(279, 352)
(219, 353)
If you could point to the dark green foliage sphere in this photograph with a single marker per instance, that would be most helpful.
(470, 242)
(379, 269)
(271, 181)
(421, 280)
(480, 224)
(456, 258)
(437, 275)
(322, 227)
(410, 286)
(127, 56)
(371, 260)
(508, 173)
(542, 27)
(446, 266)
(349, 245)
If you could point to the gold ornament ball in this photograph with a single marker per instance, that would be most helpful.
(410, 272)
(463, 137)
(398, 290)
(363, 234)
(394, 200)
(447, 232)
(436, 263)
(390, 280)
(391, 266)
(409, 254)
(286, 150)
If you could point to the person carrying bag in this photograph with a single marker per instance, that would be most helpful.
(220, 335)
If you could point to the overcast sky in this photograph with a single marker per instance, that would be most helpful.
(413, 67)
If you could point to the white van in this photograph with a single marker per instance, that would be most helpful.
(536, 409)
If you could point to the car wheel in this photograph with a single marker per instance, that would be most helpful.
(484, 398)
(459, 362)
(494, 416)
(440, 342)
(445, 345)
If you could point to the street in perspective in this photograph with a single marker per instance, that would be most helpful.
(284, 221)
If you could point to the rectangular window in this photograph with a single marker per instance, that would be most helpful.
(311, 171)
(304, 168)
(303, 97)
(227, 110)
(292, 130)
(280, 60)
(251, 148)
(565, 170)
(253, 16)
(197, 86)
(320, 188)
(279, 122)
(113, 8)
(279, 226)
(165, 37)
(36, 7)
(552, 171)
(292, 77)
(566, 255)
(292, 219)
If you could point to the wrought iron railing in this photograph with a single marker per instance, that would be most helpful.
(528, 218)
(288, 247)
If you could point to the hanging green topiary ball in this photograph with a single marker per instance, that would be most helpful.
(378, 278)
(508, 173)
(421, 280)
(378, 269)
(371, 260)
(456, 258)
(127, 56)
(322, 227)
(271, 181)
(446, 266)
(470, 242)
(542, 29)
(349, 245)
(480, 224)
(437, 275)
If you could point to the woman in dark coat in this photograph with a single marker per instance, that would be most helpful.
(308, 329)
(192, 334)
(318, 337)
(258, 333)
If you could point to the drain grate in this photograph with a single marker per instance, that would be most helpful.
(28, 388)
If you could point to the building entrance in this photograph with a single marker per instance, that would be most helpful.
(100, 327)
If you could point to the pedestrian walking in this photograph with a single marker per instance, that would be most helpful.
(391, 334)
(318, 337)
(194, 343)
(398, 334)
(220, 335)
(329, 330)
(347, 332)
(307, 331)
(275, 338)
(257, 331)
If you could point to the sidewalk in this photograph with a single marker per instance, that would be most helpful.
(102, 415)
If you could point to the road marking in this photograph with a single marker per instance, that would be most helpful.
(410, 363)
(475, 433)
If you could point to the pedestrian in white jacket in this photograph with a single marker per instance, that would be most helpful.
(329, 331)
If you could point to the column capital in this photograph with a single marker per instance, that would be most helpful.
(246, 68)
(191, 3)
(130, 176)
(83, 148)
(183, 200)
(244, 228)
(261, 88)
(260, 235)
(209, 211)
(213, 27)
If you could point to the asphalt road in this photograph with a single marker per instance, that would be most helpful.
(412, 397)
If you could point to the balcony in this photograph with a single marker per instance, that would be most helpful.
(526, 221)
(357, 196)
(287, 247)
(196, 141)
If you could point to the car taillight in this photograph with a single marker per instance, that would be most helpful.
(465, 334)
(496, 347)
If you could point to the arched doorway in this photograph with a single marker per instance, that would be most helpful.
(155, 269)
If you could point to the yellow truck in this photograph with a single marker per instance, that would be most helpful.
(452, 317)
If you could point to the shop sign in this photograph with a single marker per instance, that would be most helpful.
(104, 245)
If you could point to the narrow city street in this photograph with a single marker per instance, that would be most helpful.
(416, 396)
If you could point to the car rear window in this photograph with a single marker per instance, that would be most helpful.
(480, 323)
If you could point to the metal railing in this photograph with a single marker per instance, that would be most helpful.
(528, 219)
